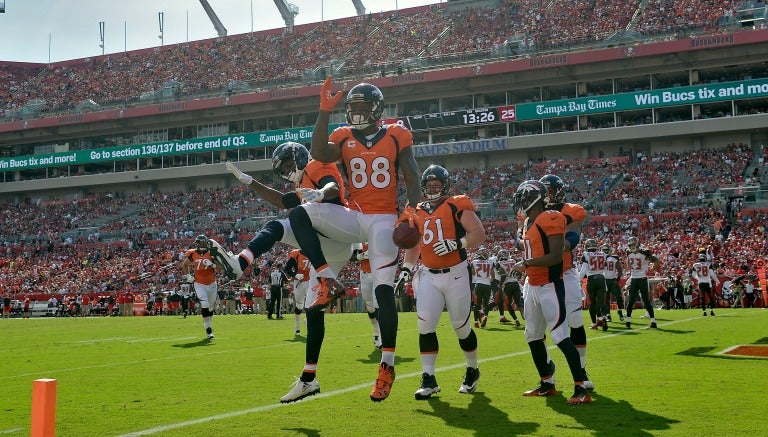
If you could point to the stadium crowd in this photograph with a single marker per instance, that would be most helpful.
(92, 244)
(362, 45)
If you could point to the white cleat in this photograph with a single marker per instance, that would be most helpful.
(301, 390)
(226, 259)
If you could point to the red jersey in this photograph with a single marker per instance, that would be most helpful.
(442, 223)
(302, 263)
(203, 274)
(371, 166)
(547, 223)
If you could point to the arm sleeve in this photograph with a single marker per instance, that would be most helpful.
(291, 200)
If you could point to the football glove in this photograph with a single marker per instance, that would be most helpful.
(362, 255)
(299, 276)
(308, 195)
(406, 271)
(327, 100)
(444, 247)
(242, 177)
(207, 262)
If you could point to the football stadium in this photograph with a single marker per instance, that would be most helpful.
(132, 179)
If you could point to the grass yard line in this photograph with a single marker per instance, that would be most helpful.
(10, 431)
(359, 387)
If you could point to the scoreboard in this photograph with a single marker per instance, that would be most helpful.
(469, 117)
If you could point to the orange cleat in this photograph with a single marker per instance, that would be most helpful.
(384, 382)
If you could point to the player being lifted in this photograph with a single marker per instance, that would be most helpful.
(449, 226)
(370, 156)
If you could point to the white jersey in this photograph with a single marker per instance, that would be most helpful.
(611, 267)
(702, 272)
(482, 271)
(504, 267)
(639, 263)
(593, 263)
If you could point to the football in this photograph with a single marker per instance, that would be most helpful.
(405, 236)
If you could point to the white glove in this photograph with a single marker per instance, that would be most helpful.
(242, 177)
(207, 262)
(405, 275)
(189, 278)
(444, 247)
(299, 276)
(362, 255)
(308, 195)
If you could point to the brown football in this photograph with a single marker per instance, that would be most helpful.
(405, 236)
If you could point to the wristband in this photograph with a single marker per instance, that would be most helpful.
(461, 242)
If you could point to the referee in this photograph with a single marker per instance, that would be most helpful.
(277, 280)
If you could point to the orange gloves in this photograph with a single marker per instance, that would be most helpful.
(329, 101)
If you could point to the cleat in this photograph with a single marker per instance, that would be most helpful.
(711, 313)
(327, 289)
(504, 320)
(470, 381)
(483, 321)
(384, 381)
(580, 396)
(609, 318)
(517, 323)
(376, 342)
(428, 387)
(301, 390)
(605, 325)
(227, 260)
(704, 314)
(653, 325)
(210, 336)
(477, 325)
(543, 389)
(593, 326)
(629, 325)
(297, 333)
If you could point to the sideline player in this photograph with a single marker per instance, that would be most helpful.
(639, 260)
(542, 244)
(371, 156)
(448, 225)
(203, 268)
(613, 272)
(366, 290)
(297, 267)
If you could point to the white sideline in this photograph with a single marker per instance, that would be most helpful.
(158, 429)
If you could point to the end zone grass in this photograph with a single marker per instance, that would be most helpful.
(158, 376)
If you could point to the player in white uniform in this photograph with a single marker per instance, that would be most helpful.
(639, 261)
(705, 277)
(508, 286)
(481, 276)
(593, 268)
(612, 273)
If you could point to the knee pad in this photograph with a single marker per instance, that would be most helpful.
(428, 342)
(205, 312)
(374, 314)
(470, 342)
(579, 335)
(297, 310)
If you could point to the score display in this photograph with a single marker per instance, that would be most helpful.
(468, 117)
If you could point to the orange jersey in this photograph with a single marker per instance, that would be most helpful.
(365, 264)
(573, 213)
(203, 274)
(314, 173)
(535, 243)
(302, 263)
(371, 166)
(443, 223)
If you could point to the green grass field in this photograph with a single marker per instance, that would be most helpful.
(156, 376)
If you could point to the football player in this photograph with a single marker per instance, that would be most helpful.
(613, 272)
(639, 260)
(509, 286)
(482, 275)
(199, 263)
(298, 267)
(575, 216)
(593, 268)
(370, 156)
(448, 225)
(366, 290)
(542, 243)
(706, 280)
(316, 183)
